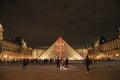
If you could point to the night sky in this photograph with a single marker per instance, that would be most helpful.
(41, 22)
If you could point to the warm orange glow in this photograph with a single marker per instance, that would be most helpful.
(60, 47)
(5, 56)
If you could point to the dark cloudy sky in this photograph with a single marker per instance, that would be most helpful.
(41, 22)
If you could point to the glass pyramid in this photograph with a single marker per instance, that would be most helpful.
(61, 49)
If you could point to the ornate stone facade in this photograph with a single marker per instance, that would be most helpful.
(13, 51)
(109, 49)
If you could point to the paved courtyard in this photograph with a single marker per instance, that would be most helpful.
(99, 71)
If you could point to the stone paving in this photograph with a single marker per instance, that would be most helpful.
(99, 71)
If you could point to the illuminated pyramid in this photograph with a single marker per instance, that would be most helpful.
(61, 49)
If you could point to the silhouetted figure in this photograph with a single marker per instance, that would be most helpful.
(51, 60)
(36, 61)
(66, 63)
(108, 59)
(45, 61)
(58, 63)
(13, 60)
(87, 63)
(25, 63)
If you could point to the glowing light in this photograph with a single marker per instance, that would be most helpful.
(5, 56)
(60, 47)
(117, 55)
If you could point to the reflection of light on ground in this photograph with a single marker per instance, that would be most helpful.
(63, 68)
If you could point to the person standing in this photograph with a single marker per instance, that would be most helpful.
(51, 60)
(87, 64)
(58, 63)
(66, 63)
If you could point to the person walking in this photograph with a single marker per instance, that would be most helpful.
(24, 65)
(87, 64)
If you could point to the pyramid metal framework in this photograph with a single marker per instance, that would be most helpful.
(61, 49)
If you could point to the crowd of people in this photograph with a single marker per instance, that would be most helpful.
(61, 63)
